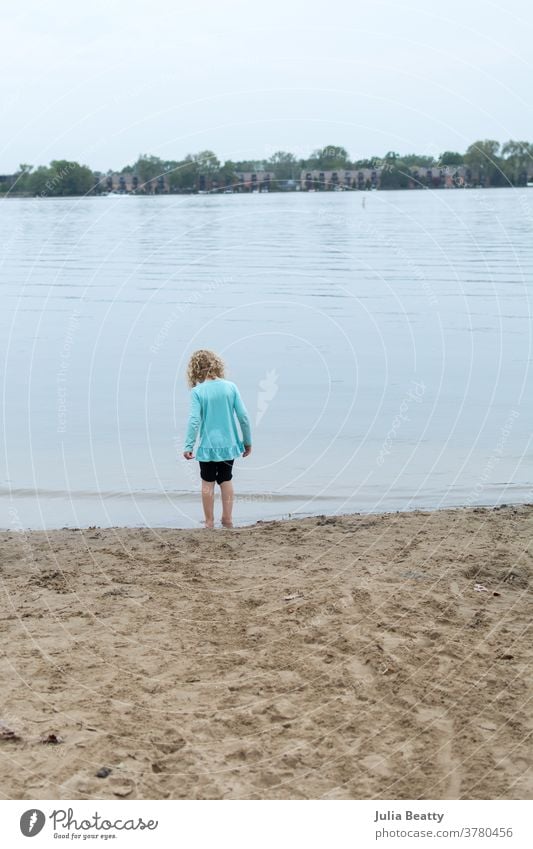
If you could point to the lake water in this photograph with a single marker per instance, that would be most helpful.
(383, 350)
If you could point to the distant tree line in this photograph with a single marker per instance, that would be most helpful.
(491, 163)
(59, 178)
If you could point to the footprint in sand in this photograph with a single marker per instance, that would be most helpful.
(447, 783)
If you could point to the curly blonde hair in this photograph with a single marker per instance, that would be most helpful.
(204, 364)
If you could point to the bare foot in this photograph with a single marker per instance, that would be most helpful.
(208, 525)
(226, 524)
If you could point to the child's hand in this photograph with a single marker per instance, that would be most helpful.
(188, 455)
(247, 450)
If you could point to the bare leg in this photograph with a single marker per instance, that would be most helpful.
(208, 503)
(226, 491)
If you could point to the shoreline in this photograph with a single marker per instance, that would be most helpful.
(359, 656)
(291, 192)
(247, 524)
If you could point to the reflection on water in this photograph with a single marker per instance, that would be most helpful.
(384, 352)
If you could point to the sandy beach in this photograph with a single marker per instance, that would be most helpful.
(362, 656)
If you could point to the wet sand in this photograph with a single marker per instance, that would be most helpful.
(376, 656)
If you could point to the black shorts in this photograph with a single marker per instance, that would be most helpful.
(220, 471)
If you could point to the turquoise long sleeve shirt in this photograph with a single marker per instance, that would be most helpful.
(213, 407)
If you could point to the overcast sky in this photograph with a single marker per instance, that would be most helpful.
(101, 81)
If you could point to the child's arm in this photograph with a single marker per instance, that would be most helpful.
(193, 425)
(244, 421)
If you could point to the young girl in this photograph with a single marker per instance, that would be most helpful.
(214, 403)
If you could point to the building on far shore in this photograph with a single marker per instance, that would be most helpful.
(370, 178)
(254, 181)
(125, 183)
(242, 181)
(323, 181)
(444, 177)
